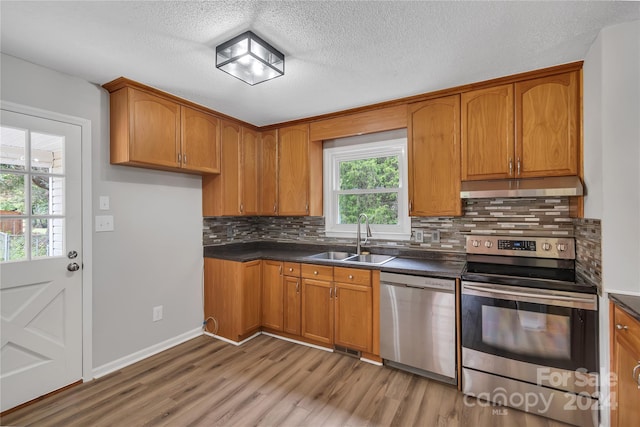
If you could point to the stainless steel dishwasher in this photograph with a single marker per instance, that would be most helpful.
(418, 325)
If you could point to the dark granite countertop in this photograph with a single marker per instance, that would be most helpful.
(419, 263)
(629, 303)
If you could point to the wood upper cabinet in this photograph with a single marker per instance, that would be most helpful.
(249, 172)
(200, 141)
(434, 157)
(269, 173)
(487, 130)
(353, 309)
(625, 367)
(152, 131)
(272, 295)
(232, 296)
(547, 117)
(235, 190)
(293, 171)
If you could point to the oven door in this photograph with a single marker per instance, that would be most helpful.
(540, 327)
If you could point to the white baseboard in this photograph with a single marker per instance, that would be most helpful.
(330, 350)
(110, 367)
(373, 362)
(227, 340)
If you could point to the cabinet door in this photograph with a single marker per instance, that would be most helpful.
(292, 305)
(293, 173)
(626, 389)
(272, 295)
(251, 297)
(229, 170)
(434, 157)
(268, 173)
(222, 282)
(200, 141)
(354, 316)
(487, 133)
(249, 173)
(547, 126)
(317, 310)
(155, 129)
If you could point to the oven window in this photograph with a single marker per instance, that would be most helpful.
(526, 332)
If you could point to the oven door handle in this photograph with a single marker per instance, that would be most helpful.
(551, 299)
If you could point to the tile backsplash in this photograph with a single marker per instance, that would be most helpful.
(509, 216)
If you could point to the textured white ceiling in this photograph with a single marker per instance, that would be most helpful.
(339, 54)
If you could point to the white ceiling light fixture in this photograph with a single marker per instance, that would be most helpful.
(250, 59)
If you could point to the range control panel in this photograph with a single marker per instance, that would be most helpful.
(538, 247)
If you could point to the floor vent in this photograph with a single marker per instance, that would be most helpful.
(347, 351)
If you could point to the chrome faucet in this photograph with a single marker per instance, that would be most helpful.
(358, 237)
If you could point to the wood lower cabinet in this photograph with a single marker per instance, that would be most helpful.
(272, 295)
(353, 309)
(317, 303)
(625, 367)
(292, 299)
(232, 297)
(434, 157)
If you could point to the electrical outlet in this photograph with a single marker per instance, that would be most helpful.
(157, 313)
(419, 236)
(435, 236)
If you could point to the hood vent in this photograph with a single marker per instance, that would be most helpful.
(530, 187)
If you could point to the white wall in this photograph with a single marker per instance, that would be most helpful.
(154, 256)
(612, 151)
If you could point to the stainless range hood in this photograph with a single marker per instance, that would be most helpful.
(529, 187)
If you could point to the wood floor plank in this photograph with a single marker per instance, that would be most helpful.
(265, 382)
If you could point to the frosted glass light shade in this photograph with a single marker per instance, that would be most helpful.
(250, 59)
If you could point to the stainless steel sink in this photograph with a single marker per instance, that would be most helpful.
(332, 256)
(370, 259)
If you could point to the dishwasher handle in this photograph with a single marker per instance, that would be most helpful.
(417, 282)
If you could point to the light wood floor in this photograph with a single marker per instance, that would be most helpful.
(265, 382)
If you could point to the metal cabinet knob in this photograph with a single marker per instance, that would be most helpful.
(73, 266)
(290, 269)
(315, 272)
(351, 276)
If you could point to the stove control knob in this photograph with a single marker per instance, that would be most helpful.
(488, 244)
(546, 246)
(562, 247)
(475, 243)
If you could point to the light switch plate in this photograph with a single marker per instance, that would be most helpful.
(104, 203)
(104, 223)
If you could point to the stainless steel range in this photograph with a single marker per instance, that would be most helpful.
(529, 332)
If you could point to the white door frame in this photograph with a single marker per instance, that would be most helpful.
(87, 224)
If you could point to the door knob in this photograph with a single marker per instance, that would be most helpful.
(73, 266)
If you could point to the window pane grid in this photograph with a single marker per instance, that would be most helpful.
(32, 188)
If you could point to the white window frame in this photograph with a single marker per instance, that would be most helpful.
(363, 147)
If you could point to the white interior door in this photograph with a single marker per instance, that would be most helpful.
(40, 256)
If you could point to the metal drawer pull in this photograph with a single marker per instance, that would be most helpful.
(621, 327)
(633, 374)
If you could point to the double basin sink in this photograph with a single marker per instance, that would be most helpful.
(371, 259)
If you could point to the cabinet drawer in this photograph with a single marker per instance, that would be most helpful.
(292, 269)
(321, 272)
(355, 276)
(632, 333)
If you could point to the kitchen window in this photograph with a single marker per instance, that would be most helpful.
(367, 174)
